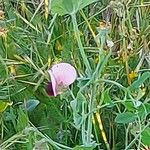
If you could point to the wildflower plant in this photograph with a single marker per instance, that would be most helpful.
(62, 75)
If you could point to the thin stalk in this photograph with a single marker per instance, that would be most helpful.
(95, 131)
(125, 49)
(77, 35)
(104, 105)
(13, 139)
(127, 131)
(46, 5)
(102, 130)
(83, 125)
(139, 141)
(91, 106)
(113, 137)
(90, 28)
(115, 83)
(2, 130)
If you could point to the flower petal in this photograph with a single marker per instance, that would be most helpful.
(53, 83)
(49, 89)
(64, 73)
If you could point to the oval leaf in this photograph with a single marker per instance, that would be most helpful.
(146, 137)
(31, 104)
(125, 117)
(106, 96)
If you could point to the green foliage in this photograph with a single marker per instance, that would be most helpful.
(145, 136)
(30, 105)
(22, 120)
(106, 97)
(63, 7)
(135, 85)
(4, 105)
(76, 106)
(126, 117)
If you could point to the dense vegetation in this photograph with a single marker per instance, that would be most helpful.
(108, 105)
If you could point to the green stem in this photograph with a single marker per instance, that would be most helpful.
(91, 107)
(140, 127)
(83, 125)
(96, 132)
(127, 131)
(77, 35)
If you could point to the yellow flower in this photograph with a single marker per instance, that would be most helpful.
(132, 75)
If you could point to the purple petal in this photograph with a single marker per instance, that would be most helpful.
(49, 89)
(64, 73)
(53, 83)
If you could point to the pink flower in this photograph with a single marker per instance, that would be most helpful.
(62, 75)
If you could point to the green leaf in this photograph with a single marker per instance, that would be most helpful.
(22, 120)
(146, 137)
(82, 82)
(138, 82)
(76, 117)
(129, 105)
(63, 7)
(106, 96)
(73, 105)
(31, 104)
(57, 7)
(144, 110)
(147, 105)
(125, 117)
(76, 106)
(4, 105)
(68, 5)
